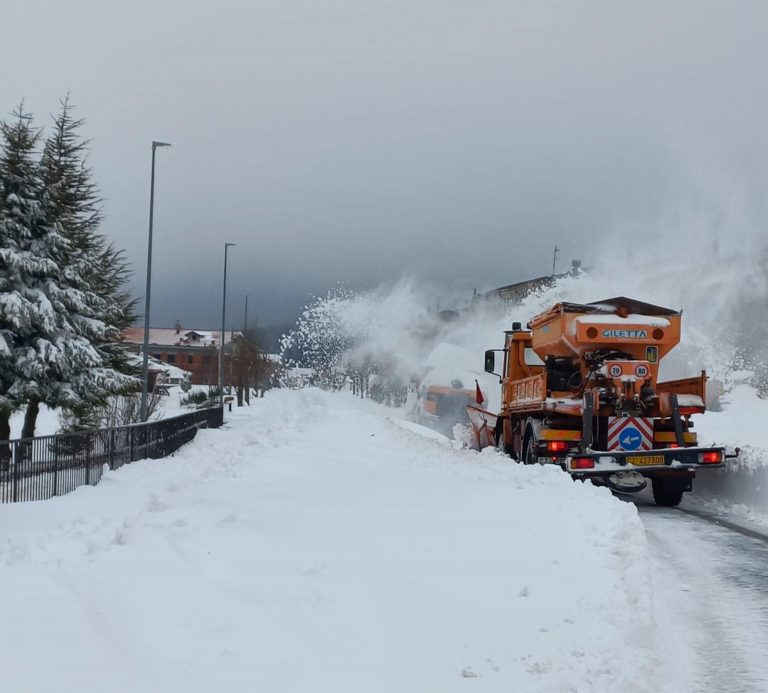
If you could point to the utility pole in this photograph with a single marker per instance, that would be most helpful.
(145, 354)
(227, 246)
(554, 259)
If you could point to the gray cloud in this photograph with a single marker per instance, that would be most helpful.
(358, 140)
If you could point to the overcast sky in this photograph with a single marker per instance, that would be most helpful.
(358, 140)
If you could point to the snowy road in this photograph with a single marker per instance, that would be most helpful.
(713, 582)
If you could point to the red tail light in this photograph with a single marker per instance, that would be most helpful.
(691, 410)
(712, 457)
(673, 445)
(582, 463)
(557, 446)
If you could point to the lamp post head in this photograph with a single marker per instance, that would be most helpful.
(227, 245)
(155, 144)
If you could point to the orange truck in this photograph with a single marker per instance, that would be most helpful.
(441, 407)
(580, 389)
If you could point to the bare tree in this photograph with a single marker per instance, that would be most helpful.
(120, 410)
(248, 367)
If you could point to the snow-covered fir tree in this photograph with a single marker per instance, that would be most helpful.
(47, 357)
(95, 266)
(23, 308)
(60, 283)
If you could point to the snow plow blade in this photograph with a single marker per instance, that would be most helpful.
(483, 426)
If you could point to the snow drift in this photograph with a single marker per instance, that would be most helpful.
(317, 545)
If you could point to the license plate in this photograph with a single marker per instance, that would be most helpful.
(645, 460)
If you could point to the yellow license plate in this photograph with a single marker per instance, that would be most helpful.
(645, 460)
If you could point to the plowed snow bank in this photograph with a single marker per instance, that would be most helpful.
(314, 545)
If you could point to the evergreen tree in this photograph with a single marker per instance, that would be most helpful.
(34, 322)
(63, 301)
(93, 269)
(20, 189)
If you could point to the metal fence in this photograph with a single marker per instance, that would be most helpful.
(46, 466)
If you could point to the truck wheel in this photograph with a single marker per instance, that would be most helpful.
(498, 439)
(498, 433)
(506, 449)
(529, 450)
(666, 494)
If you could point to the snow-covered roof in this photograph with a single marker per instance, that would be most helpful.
(156, 366)
(172, 336)
(176, 372)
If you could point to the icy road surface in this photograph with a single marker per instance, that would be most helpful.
(714, 583)
(317, 544)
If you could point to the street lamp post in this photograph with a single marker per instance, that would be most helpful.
(145, 362)
(223, 318)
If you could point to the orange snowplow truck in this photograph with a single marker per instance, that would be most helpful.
(580, 389)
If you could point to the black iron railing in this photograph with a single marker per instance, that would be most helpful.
(46, 466)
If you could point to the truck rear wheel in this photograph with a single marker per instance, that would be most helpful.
(529, 450)
(667, 493)
(498, 439)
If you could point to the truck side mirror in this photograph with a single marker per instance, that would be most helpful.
(490, 361)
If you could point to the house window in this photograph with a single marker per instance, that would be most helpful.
(171, 358)
(190, 360)
(159, 357)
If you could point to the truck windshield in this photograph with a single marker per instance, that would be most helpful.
(532, 358)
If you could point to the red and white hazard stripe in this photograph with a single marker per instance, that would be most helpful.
(643, 425)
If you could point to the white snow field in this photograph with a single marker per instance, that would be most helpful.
(316, 544)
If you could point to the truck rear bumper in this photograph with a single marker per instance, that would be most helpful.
(650, 463)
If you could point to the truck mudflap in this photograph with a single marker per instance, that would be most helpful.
(648, 463)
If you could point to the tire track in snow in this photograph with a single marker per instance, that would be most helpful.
(715, 583)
